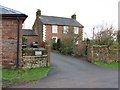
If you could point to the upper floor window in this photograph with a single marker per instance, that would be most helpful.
(76, 30)
(65, 30)
(54, 29)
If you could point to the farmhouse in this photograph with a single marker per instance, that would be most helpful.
(11, 32)
(52, 28)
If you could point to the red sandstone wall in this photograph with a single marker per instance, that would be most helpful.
(9, 40)
(0, 42)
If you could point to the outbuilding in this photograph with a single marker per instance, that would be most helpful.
(11, 36)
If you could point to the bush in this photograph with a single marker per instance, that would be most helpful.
(54, 46)
(67, 51)
(67, 44)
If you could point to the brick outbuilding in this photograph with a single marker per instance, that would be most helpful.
(11, 36)
(30, 36)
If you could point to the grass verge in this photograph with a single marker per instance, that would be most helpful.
(23, 75)
(114, 65)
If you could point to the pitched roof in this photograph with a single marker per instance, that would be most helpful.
(7, 11)
(29, 32)
(59, 21)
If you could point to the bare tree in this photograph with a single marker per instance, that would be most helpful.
(105, 35)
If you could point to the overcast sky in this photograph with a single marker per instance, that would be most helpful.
(89, 12)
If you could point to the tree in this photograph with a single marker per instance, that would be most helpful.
(24, 40)
(118, 37)
(105, 36)
(69, 42)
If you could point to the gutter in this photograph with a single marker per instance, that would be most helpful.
(18, 38)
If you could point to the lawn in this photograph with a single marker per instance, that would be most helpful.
(113, 65)
(13, 76)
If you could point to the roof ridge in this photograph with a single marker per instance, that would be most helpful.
(11, 10)
(56, 16)
(59, 20)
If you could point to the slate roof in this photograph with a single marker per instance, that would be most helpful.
(7, 11)
(59, 21)
(29, 32)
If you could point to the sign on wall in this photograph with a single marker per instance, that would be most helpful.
(38, 53)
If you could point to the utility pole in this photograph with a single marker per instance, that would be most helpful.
(93, 32)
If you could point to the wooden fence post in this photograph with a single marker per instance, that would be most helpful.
(48, 50)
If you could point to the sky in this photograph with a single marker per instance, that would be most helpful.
(90, 13)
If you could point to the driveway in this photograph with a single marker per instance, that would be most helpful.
(71, 72)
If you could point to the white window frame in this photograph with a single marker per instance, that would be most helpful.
(65, 29)
(56, 38)
(54, 29)
(76, 30)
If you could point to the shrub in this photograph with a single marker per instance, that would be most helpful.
(67, 51)
(54, 46)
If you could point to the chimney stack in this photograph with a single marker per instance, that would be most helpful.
(73, 16)
(38, 13)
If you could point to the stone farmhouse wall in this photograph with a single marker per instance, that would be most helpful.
(102, 53)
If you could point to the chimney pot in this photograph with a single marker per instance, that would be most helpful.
(73, 16)
(38, 13)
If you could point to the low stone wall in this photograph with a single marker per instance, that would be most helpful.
(36, 57)
(102, 53)
(35, 61)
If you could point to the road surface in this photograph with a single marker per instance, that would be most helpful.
(71, 72)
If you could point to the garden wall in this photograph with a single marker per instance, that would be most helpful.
(97, 52)
(35, 61)
(36, 57)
